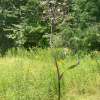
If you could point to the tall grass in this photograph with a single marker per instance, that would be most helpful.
(32, 75)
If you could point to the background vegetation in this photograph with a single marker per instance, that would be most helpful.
(33, 75)
(26, 64)
(22, 24)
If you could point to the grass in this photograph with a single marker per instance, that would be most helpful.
(32, 75)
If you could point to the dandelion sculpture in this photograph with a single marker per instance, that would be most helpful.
(59, 76)
(53, 13)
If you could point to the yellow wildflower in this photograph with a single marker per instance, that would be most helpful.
(85, 63)
(92, 62)
(61, 61)
(96, 52)
(45, 69)
(33, 87)
(55, 68)
(36, 56)
(98, 60)
(34, 69)
(26, 68)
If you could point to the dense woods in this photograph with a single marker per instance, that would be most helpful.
(25, 23)
(28, 28)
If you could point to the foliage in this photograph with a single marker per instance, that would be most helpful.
(23, 23)
(26, 23)
(77, 39)
(4, 42)
(20, 75)
(81, 31)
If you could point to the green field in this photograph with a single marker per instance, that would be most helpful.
(32, 75)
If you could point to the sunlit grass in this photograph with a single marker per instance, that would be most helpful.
(32, 75)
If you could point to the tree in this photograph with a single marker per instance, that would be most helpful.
(83, 16)
(23, 23)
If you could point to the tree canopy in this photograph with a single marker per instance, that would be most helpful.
(26, 23)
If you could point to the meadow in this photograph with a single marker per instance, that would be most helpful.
(32, 75)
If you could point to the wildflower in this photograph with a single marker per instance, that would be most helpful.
(45, 69)
(25, 50)
(33, 87)
(92, 62)
(61, 61)
(85, 63)
(96, 52)
(36, 46)
(36, 57)
(55, 68)
(34, 69)
(26, 68)
(98, 60)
